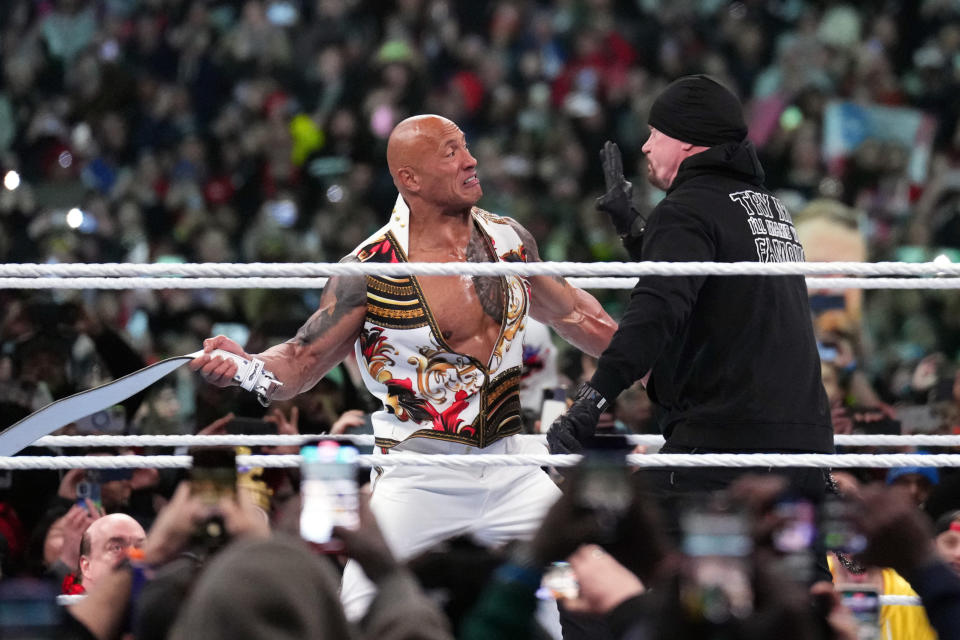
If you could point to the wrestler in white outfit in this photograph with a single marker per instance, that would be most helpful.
(439, 401)
(417, 507)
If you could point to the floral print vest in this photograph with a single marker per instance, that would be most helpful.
(427, 389)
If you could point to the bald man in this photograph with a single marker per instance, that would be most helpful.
(104, 545)
(442, 353)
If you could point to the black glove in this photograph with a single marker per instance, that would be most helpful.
(617, 202)
(568, 432)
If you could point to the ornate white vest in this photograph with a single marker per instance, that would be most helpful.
(427, 389)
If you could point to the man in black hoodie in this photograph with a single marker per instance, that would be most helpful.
(733, 360)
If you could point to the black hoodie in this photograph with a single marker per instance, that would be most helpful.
(734, 359)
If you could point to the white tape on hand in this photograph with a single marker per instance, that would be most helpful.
(250, 375)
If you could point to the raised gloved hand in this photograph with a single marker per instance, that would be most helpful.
(617, 202)
(568, 432)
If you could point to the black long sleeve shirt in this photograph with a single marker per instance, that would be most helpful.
(734, 359)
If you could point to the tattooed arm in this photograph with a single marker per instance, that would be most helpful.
(573, 313)
(320, 344)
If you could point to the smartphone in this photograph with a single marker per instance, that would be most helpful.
(89, 488)
(213, 476)
(559, 582)
(794, 537)
(552, 407)
(864, 603)
(715, 582)
(839, 532)
(604, 484)
(329, 493)
(827, 353)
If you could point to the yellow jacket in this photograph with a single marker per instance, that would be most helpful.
(898, 622)
(902, 622)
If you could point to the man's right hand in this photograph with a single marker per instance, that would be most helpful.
(617, 202)
(214, 369)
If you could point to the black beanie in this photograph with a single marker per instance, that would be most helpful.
(699, 110)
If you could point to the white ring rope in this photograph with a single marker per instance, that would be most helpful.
(812, 283)
(468, 461)
(906, 601)
(618, 269)
(143, 282)
(879, 440)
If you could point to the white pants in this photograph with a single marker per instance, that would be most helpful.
(418, 507)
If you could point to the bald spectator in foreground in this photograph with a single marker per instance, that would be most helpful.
(104, 544)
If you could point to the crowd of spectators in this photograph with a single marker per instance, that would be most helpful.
(221, 131)
(742, 572)
(242, 131)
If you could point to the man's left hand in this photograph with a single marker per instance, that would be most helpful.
(617, 202)
(573, 428)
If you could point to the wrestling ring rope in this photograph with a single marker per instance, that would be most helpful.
(603, 275)
(468, 461)
(878, 440)
(946, 275)
(597, 275)
(583, 269)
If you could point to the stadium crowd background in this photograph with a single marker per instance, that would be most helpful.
(230, 131)
(151, 130)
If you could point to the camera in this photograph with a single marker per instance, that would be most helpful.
(794, 537)
(715, 582)
(329, 493)
(864, 603)
(213, 476)
(603, 485)
(559, 582)
(89, 489)
(837, 527)
(552, 407)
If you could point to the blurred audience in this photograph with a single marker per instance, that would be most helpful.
(218, 130)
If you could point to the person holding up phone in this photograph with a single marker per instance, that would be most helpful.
(109, 489)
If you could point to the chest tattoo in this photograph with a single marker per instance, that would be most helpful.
(488, 288)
